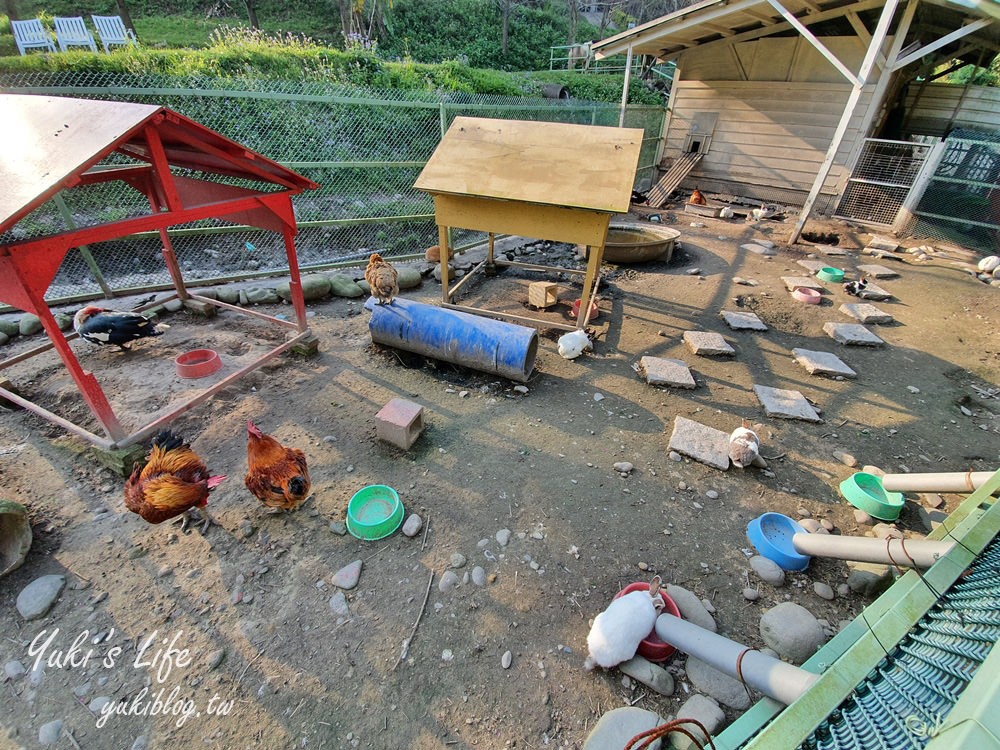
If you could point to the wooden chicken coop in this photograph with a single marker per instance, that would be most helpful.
(544, 180)
(58, 143)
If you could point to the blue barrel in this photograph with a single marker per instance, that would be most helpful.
(452, 336)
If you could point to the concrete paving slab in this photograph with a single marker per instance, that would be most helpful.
(708, 344)
(851, 334)
(822, 363)
(661, 371)
(831, 250)
(778, 402)
(878, 272)
(875, 292)
(865, 313)
(700, 442)
(743, 321)
(809, 282)
(883, 243)
(812, 265)
(759, 249)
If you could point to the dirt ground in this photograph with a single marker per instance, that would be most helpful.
(259, 658)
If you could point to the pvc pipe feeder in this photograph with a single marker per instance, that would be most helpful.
(774, 678)
(493, 346)
(957, 481)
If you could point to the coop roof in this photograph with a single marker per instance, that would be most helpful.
(51, 143)
(725, 22)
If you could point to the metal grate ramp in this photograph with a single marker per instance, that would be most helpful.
(907, 696)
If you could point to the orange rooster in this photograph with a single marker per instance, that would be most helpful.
(382, 278)
(276, 475)
(174, 480)
(697, 198)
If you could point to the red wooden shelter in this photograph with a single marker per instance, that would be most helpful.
(55, 144)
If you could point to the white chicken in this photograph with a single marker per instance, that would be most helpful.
(574, 343)
(744, 446)
(618, 630)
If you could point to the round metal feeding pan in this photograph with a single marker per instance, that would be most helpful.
(639, 243)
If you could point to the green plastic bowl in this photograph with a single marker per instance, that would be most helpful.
(374, 512)
(827, 273)
(865, 492)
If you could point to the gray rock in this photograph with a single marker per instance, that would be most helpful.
(823, 591)
(708, 344)
(618, 726)
(845, 458)
(861, 517)
(64, 321)
(413, 524)
(338, 527)
(141, 743)
(503, 537)
(209, 293)
(173, 305)
(4, 338)
(670, 372)
(314, 286)
(338, 605)
(725, 689)
(623, 467)
(649, 674)
(261, 296)
(29, 325)
(843, 589)
(342, 285)
(14, 670)
(869, 579)
(231, 296)
(38, 596)
(506, 659)
(810, 524)
(98, 703)
(930, 518)
(792, 631)
(9, 327)
(700, 442)
(409, 277)
(479, 575)
(768, 570)
(348, 576)
(449, 580)
(706, 712)
(751, 594)
(457, 560)
(216, 658)
(48, 734)
(887, 531)
(786, 404)
(691, 608)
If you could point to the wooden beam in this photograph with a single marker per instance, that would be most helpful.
(969, 28)
(864, 35)
(888, 11)
(738, 63)
(723, 30)
(811, 38)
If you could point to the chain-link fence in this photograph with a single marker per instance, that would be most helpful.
(364, 148)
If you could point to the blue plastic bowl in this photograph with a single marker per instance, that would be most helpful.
(771, 535)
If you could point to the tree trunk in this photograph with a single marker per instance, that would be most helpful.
(11, 7)
(574, 19)
(252, 14)
(505, 25)
(126, 18)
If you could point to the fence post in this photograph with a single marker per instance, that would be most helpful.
(84, 249)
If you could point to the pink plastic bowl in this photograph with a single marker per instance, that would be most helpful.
(594, 311)
(651, 647)
(197, 363)
(807, 295)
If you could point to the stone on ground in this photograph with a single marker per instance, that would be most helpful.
(865, 313)
(822, 363)
(649, 674)
(812, 266)
(706, 712)
(831, 251)
(851, 334)
(690, 607)
(768, 570)
(38, 596)
(808, 282)
(785, 404)
(792, 631)
(753, 247)
(743, 321)
(618, 726)
(725, 689)
(700, 442)
(877, 272)
(875, 292)
(708, 344)
(661, 371)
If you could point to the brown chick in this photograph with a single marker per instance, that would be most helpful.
(697, 198)
(382, 278)
(276, 475)
(174, 480)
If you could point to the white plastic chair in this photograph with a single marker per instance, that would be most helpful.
(31, 34)
(112, 30)
(72, 32)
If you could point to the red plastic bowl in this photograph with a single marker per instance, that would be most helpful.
(197, 363)
(594, 311)
(651, 647)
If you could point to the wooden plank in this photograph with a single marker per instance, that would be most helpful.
(668, 183)
(524, 220)
(544, 163)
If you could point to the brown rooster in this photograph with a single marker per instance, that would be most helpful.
(276, 475)
(174, 480)
(697, 198)
(382, 278)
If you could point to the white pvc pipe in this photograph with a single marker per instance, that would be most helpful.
(775, 679)
(918, 553)
(957, 481)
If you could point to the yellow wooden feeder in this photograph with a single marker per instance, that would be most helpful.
(543, 180)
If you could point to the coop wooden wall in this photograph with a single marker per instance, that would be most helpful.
(935, 108)
(778, 103)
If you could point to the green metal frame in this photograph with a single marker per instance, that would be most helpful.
(851, 654)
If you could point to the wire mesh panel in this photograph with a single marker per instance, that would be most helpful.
(364, 149)
(881, 180)
(962, 200)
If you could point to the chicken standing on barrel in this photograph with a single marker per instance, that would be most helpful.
(382, 278)
(173, 481)
(276, 475)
